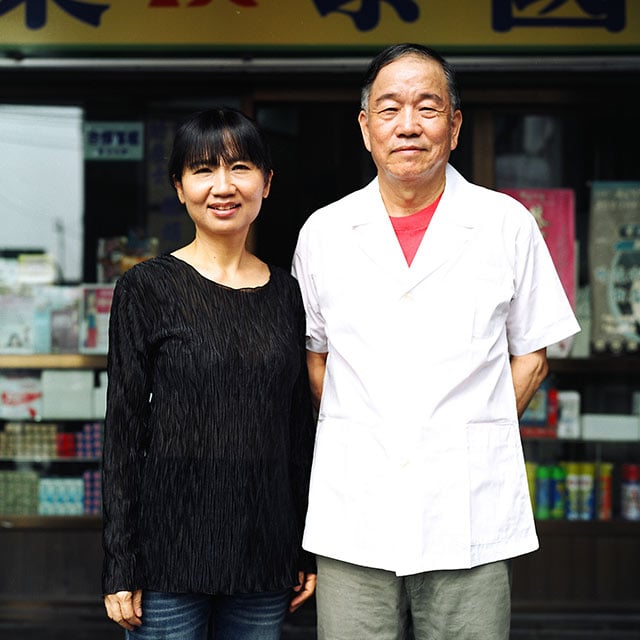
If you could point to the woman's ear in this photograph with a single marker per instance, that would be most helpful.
(267, 185)
(177, 185)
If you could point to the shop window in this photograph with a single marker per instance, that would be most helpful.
(42, 173)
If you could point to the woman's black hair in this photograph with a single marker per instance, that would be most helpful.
(221, 135)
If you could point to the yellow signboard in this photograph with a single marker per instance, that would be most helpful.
(214, 25)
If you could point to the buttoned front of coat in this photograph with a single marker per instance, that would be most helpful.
(418, 462)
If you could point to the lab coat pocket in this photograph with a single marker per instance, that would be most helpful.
(499, 492)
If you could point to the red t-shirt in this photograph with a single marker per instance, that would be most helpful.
(411, 229)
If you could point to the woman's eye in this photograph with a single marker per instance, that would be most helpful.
(240, 166)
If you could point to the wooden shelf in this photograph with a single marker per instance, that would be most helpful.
(53, 361)
(49, 459)
(9, 523)
(596, 365)
(617, 527)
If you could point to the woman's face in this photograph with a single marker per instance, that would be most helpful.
(223, 198)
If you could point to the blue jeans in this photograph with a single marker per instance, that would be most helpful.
(184, 616)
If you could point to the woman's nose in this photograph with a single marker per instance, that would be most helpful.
(222, 181)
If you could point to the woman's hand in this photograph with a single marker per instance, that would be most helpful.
(125, 608)
(304, 589)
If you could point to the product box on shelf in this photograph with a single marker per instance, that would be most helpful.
(56, 319)
(569, 419)
(96, 310)
(17, 306)
(614, 259)
(20, 395)
(606, 426)
(67, 394)
(18, 493)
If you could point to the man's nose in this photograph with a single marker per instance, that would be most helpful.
(409, 121)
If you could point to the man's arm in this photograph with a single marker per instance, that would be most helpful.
(528, 372)
(316, 363)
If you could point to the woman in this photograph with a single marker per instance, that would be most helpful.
(209, 431)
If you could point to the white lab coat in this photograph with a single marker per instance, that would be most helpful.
(418, 463)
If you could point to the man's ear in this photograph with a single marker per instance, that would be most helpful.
(364, 129)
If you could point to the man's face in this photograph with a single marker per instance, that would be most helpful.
(409, 127)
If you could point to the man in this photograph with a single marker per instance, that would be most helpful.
(423, 349)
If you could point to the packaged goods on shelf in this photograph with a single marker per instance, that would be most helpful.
(92, 492)
(569, 421)
(61, 496)
(550, 492)
(614, 258)
(96, 310)
(89, 440)
(57, 319)
(630, 490)
(613, 427)
(35, 440)
(18, 493)
(67, 394)
(17, 308)
(20, 395)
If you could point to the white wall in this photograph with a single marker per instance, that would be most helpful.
(42, 182)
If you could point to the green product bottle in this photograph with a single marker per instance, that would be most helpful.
(543, 492)
(558, 493)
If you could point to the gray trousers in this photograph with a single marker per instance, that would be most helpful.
(360, 603)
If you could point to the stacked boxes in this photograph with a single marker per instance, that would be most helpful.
(89, 440)
(18, 493)
(61, 497)
(32, 440)
(92, 492)
(45, 445)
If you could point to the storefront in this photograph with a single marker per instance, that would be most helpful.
(550, 98)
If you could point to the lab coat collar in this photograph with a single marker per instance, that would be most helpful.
(451, 229)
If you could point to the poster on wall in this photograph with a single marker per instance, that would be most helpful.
(554, 211)
(614, 262)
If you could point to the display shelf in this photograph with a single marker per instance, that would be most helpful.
(53, 361)
(616, 527)
(49, 459)
(596, 365)
(9, 522)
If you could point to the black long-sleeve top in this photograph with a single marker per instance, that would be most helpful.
(208, 434)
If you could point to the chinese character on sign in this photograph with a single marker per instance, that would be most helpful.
(609, 14)
(113, 141)
(36, 11)
(368, 16)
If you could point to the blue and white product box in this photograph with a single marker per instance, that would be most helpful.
(61, 497)
(67, 394)
(569, 422)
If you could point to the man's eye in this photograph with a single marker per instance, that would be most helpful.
(430, 112)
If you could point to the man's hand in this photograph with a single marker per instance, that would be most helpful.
(125, 608)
